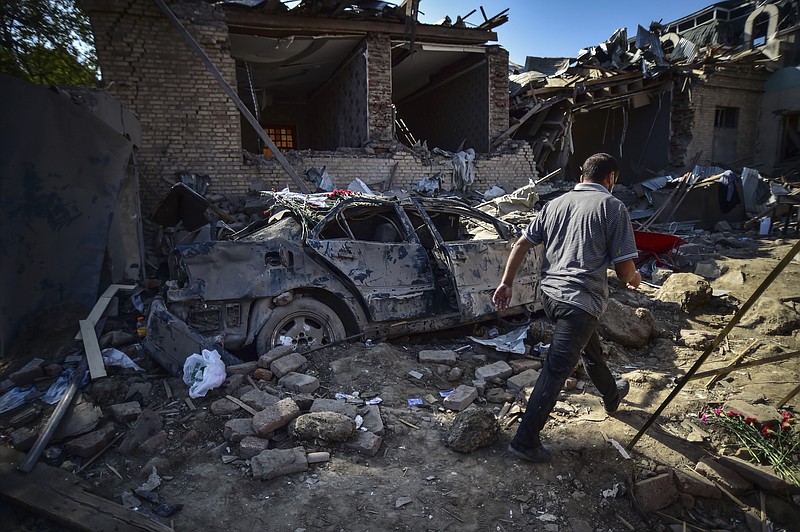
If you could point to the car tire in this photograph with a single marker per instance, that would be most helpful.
(307, 321)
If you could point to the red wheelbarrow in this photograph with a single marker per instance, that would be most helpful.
(658, 246)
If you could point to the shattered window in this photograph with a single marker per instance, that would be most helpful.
(726, 117)
(373, 223)
(460, 226)
(284, 137)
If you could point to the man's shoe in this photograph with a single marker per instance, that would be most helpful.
(623, 387)
(537, 455)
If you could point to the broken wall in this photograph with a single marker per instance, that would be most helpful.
(779, 139)
(636, 132)
(723, 91)
(60, 176)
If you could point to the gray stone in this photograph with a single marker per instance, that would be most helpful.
(626, 325)
(708, 269)
(472, 429)
(762, 476)
(262, 374)
(334, 405)
(148, 424)
(696, 339)
(694, 484)
(244, 368)
(462, 397)
(288, 364)
(518, 365)
(364, 442)
(90, 444)
(299, 382)
(498, 396)
(251, 446)
(455, 374)
(232, 382)
(730, 279)
(765, 414)
(29, 372)
(445, 356)
(722, 226)
(660, 275)
(266, 360)
(495, 372)
(140, 389)
(275, 416)
(258, 399)
(688, 290)
(238, 429)
(125, 412)
(277, 462)
(318, 457)
(82, 418)
(771, 317)
(720, 474)
(522, 380)
(655, 493)
(155, 443)
(371, 414)
(327, 426)
(24, 438)
(224, 407)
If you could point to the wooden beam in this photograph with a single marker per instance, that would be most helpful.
(727, 369)
(60, 496)
(250, 23)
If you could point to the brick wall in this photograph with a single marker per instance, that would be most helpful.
(498, 90)
(510, 170)
(739, 90)
(379, 87)
(188, 123)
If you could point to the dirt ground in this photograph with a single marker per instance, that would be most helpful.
(415, 482)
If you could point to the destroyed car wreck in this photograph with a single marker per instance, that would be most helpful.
(324, 267)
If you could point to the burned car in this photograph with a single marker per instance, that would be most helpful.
(322, 268)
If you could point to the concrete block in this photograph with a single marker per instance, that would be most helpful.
(656, 492)
(288, 364)
(299, 382)
(275, 416)
(90, 444)
(258, 399)
(765, 414)
(461, 398)
(236, 430)
(522, 380)
(251, 446)
(29, 372)
(155, 443)
(762, 476)
(246, 368)
(495, 372)
(371, 414)
(695, 484)
(277, 462)
(24, 438)
(125, 412)
(224, 407)
(728, 479)
(518, 365)
(334, 405)
(445, 356)
(262, 374)
(364, 442)
(266, 360)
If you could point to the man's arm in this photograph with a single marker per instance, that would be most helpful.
(627, 273)
(502, 296)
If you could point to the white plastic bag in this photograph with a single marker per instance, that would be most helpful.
(203, 372)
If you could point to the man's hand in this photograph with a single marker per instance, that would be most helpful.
(634, 283)
(502, 297)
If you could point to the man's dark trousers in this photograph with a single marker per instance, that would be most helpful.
(575, 337)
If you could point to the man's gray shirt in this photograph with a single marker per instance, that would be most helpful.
(584, 232)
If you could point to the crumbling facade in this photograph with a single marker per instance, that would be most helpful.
(330, 91)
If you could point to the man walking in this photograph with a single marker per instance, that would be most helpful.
(583, 233)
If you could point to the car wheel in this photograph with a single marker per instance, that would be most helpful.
(305, 321)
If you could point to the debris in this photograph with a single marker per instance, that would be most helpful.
(472, 429)
(619, 448)
(402, 501)
(203, 373)
(115, 357)
(511, 342)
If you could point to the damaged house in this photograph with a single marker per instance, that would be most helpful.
(348, 87)
(718, 87)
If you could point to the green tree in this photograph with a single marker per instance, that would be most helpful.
(47, 41)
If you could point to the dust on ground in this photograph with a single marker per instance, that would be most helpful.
(415, 482)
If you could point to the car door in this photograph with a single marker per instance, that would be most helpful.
(373, 247)
(476, 247)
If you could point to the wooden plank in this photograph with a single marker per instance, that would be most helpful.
(97, 367)
(60, 496)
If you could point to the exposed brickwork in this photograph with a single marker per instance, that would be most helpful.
(498, 90)
(188, 123)
(379, 85)
(682, 123)
(739, 90)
